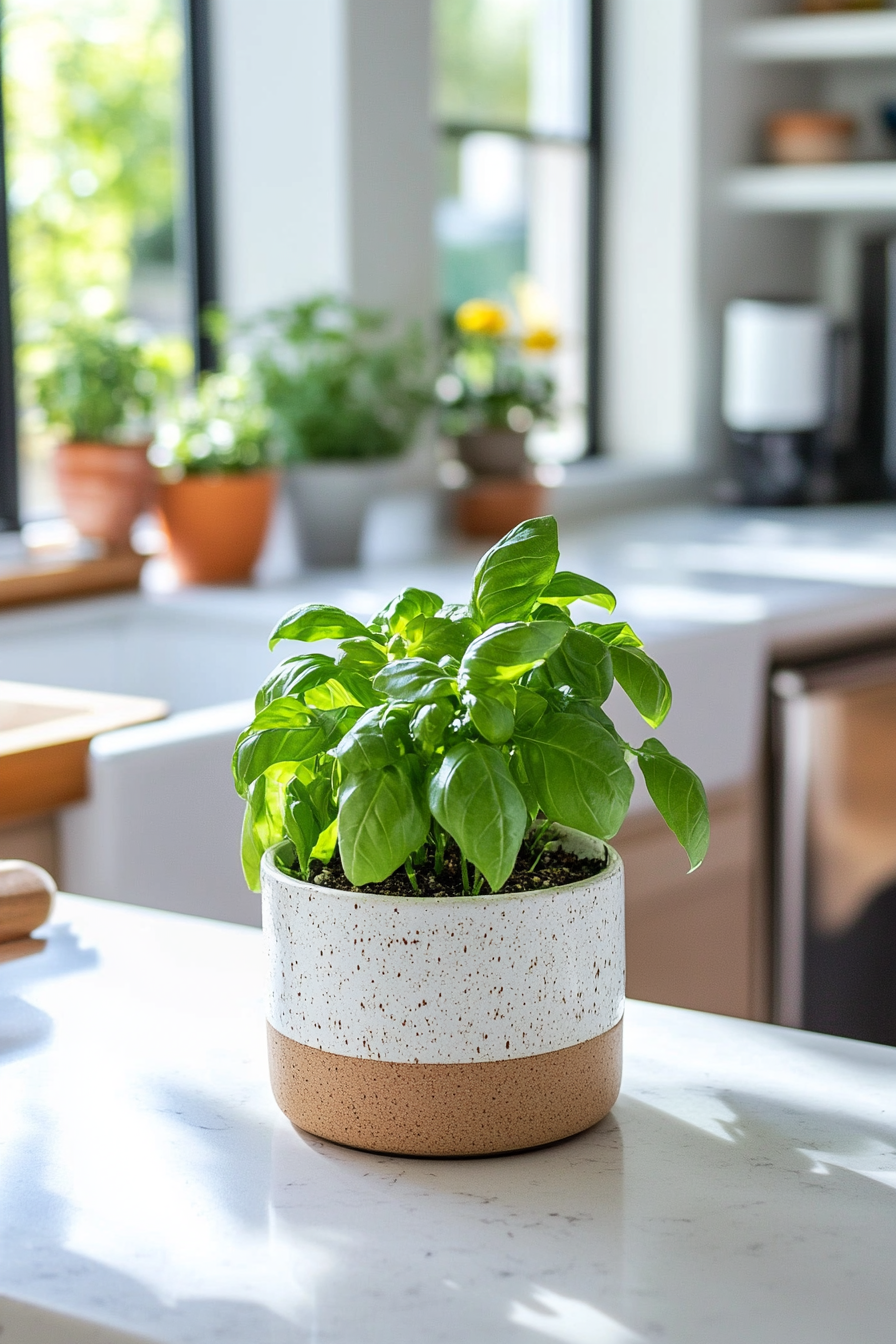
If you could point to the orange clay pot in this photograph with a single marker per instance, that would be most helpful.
(103, 487)
(492, 506)
(216, 524)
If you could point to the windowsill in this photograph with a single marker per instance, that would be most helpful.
(28, 579)
(601, 485)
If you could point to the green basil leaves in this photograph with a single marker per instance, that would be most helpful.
(466, 721)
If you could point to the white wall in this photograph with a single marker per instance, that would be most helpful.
(649, 282)
(324, 153)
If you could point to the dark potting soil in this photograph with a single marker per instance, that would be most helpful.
(535, 869)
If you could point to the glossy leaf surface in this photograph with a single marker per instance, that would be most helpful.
(315, 620)
(578, 772)
(679, 797)
(474, 797)
(382, 819)
(644, 682)
(511, 576)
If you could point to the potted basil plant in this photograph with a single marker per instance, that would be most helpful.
(217, 479)
(428, 806)
(346, 392)
(98, 391)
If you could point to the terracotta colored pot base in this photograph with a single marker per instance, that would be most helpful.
(446, 1110)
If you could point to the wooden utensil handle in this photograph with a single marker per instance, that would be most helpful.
(26, 897)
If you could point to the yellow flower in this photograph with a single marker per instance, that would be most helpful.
(481, 317)
(540, 339)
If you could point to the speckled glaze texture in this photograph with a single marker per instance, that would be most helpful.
(447, 980)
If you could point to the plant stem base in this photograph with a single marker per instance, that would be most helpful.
(446, 1110)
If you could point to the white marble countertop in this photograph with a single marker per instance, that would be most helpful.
(742, 1190)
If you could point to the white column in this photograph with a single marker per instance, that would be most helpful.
(650, 277)
(324, 151)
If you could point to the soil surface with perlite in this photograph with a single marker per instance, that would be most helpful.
(536, 869)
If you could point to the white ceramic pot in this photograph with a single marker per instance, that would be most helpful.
(329, 502)
(446, 1026)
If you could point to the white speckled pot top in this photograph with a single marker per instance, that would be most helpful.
(445, 980)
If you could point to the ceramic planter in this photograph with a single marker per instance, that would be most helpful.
(446, 1026)
(103, 488)
(329, 502)
(494, 452)
(216, 523)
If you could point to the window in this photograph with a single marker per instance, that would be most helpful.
(514, 103)
(101, 215)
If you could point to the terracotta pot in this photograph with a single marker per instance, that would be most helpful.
(810, 137)
(489, 508)
(216, 524)
(446, 1026)
(103, 488)
(494, 452)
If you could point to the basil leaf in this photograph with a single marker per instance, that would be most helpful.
(473, 796)
(491, 709)
(429, 723)
(582, 663)
(444, 638)
(262, 827)
(679, 796)
(566, 587)
(586, 710)
(258, 751)
(361, 654)
(374, 741)
(578, 772)
(284, 712)
(616, 632)
(394, 617)
(546, 613)
(300, 822)
(511, 576)
(644, 683)
(313, 621)
(529, 707)
(521, 780)
(414, 681)
(293, 676)
(383, 818)
(507, 651)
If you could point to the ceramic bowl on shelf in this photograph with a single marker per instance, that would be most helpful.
(810, 137)
(446, 1026)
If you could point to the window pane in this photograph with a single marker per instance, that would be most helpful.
(94, 106)
(482, 63)
(515, 205)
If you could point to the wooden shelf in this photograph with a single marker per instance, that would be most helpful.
(24, 581)
(813, 189)
(868, 36)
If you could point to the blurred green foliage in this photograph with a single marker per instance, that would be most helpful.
(103, 383)
(223, 426)
(93, 102)
(339, 382)
(482, 61)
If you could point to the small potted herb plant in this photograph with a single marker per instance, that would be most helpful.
(427, 811)
(494, 388)
(217, 482)
(99, 391)
(346, 395)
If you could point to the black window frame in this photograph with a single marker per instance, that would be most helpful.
(198, 99)
(594, 146)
